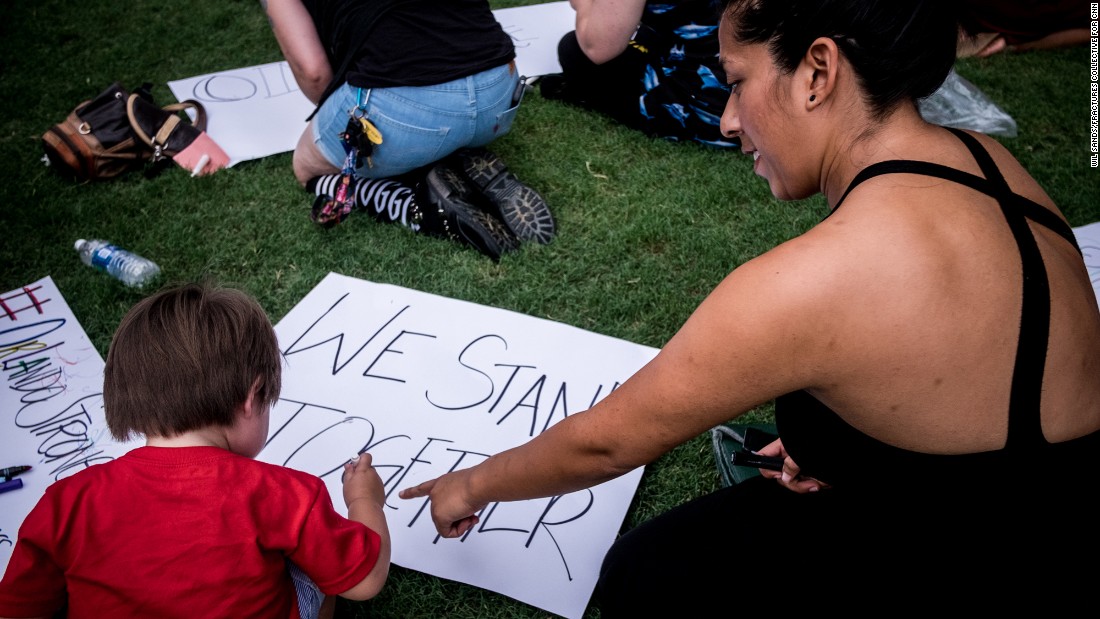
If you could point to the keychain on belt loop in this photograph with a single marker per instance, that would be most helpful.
(331, 210)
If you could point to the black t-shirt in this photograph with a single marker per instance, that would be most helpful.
(415, 43)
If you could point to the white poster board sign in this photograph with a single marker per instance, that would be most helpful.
(252, 112)
(429, 384)
(425, 383)
(51, 404)
(535, 30)
(258, 111)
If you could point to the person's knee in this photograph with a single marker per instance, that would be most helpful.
(571, 57)
(568, 47)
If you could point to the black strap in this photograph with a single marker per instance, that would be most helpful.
(1031, 209)
(1024, 422)
(908, 166)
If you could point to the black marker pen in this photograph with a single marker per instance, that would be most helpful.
(747, 458)
(12, 471)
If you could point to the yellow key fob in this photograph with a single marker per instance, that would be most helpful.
(373, 134)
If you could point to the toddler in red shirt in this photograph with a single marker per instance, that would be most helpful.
(191, 524)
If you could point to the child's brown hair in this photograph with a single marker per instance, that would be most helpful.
(186, 358)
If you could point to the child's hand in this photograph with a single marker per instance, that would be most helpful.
(361, 481)
(365, 496)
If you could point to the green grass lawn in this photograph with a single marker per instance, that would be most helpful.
(646, 227)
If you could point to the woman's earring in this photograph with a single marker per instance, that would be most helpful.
(812, 97)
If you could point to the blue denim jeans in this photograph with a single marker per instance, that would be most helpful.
(421, 124)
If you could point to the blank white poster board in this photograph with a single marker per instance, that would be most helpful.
(429, 384)
(257, 111)
(51, 404)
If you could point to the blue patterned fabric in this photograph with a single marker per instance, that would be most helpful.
(684, 89)
(667, 83)
(310, 597)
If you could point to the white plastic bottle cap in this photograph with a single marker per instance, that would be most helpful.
(79, 242)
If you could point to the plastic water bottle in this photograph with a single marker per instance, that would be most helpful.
(125, 266)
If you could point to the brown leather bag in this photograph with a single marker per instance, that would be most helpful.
(119, 131)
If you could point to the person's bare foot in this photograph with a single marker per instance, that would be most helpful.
(982, 44)
(995, 46)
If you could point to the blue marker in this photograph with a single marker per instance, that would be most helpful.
(14, 484)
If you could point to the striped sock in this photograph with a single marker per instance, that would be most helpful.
(386, 200)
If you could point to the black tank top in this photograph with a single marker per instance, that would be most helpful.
(829, 449)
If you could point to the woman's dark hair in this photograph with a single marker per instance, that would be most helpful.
(185, 358)
(901, 50)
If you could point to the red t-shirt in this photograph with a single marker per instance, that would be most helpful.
(182, 532)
